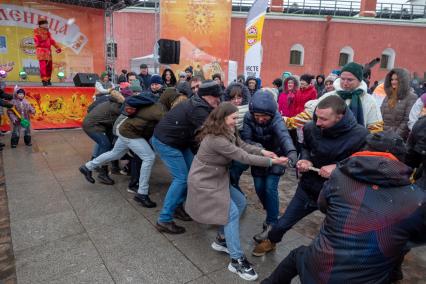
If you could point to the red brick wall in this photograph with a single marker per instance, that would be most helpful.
(135, 35)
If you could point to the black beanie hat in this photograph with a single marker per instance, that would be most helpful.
(210, 88)
(387, 141)
(355, 69)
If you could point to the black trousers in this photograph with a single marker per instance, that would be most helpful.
(287, 269)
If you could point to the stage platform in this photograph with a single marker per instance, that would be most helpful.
(59, 106)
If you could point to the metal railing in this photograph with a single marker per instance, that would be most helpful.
(344, 8)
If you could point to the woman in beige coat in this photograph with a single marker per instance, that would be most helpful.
(211, 199)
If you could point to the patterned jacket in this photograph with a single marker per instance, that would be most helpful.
(372, 211)
(24, 108)
(43, 42)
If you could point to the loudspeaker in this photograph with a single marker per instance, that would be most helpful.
(85, 79)
(168, 51)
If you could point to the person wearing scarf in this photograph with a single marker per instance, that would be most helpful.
(353, 90)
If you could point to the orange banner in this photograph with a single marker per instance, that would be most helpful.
(78, 30)
(204, 31)
(56, 107)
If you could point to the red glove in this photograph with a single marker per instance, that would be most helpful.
(58, 50)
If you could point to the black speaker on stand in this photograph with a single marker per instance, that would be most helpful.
(168, 51)
(85, 79)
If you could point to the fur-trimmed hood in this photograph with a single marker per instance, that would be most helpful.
(285, 83)
(404, 82)
(337, 86)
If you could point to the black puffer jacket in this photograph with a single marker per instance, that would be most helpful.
(372, 211)
(329, 146)
(272, 136)
(396, 118)
(178, 126)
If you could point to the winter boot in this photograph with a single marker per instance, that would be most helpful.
(264, 234)
(45, 83)
(104, 177)
(14, 140)
(49, 83)
(27, 140)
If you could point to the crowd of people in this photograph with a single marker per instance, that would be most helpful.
(361, 159)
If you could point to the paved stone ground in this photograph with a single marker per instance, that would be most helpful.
(65, 230)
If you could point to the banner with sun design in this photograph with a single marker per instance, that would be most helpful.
(204, 31)
(253, 39)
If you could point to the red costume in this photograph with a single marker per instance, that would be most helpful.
(43, 43)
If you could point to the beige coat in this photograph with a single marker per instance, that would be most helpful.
(208, 196)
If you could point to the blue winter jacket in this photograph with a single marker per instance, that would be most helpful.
(272, 136)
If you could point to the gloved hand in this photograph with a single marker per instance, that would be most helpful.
(58, 50)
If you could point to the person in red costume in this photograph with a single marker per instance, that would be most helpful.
(43, 43)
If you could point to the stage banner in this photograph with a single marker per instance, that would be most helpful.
(253, 38)
(204, 31)
(79, 31)
(56, 107)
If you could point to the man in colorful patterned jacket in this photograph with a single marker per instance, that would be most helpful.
(43, 42)
(372, 212)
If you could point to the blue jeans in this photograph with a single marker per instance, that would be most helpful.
(267, 191)
(300, 206)
(235, 172)
(103, 142)
(178, 162)
(141, 147)
(232, 229)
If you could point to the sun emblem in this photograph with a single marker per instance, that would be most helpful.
(200, 17)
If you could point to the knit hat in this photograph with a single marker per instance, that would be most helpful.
(156, 79)
(387, 141)
(126, 92)
(184, 88)
(210, 88)
(331, 77)
(355, 69)
(143, 66)
(423, 98)
(20, 91)
(136, 86)
(189, 69)
(103, 74)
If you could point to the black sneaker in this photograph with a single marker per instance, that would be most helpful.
(87, 174)
(132, 189)
(243, 268)
(144, 200)
(219, 244)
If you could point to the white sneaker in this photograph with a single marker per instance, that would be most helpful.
(243, 268)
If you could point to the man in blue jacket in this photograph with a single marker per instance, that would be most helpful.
(264, 126)
(331, 137)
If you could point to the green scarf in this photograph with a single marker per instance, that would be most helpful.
(355, 105)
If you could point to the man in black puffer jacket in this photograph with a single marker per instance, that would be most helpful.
(264, 126)
(174, 141)
(331, 137)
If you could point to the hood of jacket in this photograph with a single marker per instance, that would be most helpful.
(245, 92)
(403, 82)
(141, 100)
(337, 87)
(251, 78)
(285, 84)
(116, 97)
(376, 168)
(347, 123)
(263, 102)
